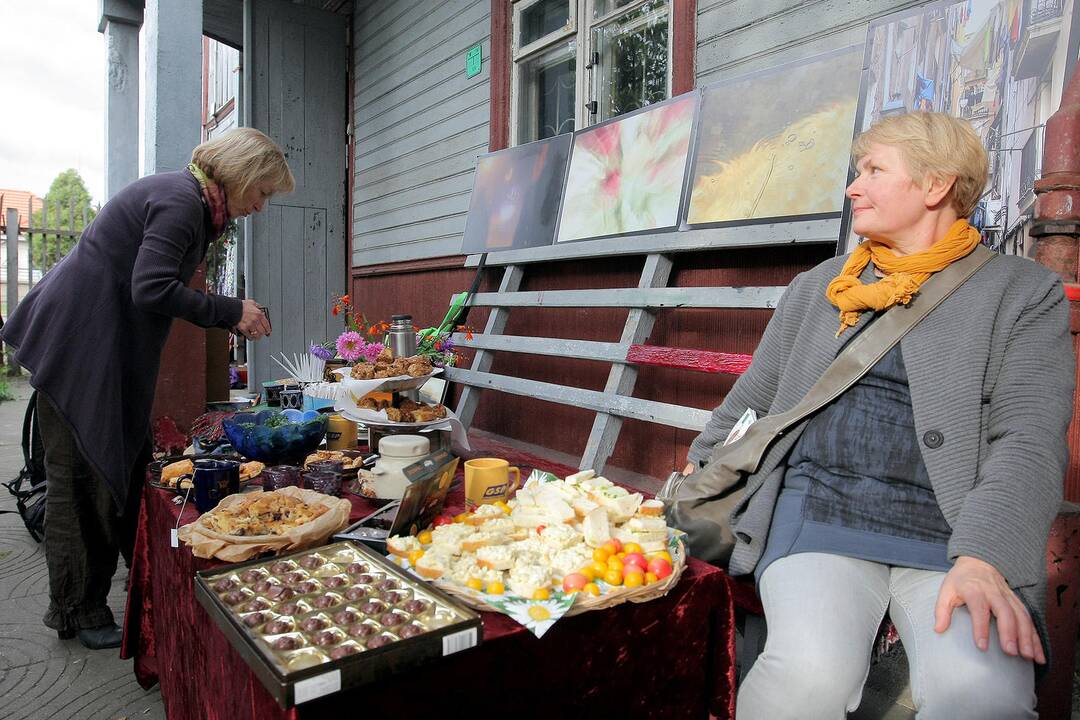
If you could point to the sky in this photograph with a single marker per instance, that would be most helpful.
(53, 94)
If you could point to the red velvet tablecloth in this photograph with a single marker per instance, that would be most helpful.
(669, 658)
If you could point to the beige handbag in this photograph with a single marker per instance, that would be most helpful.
(701, 504)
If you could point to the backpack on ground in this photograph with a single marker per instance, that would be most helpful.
(29, 486)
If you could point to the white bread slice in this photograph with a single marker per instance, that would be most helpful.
(622, 508)
(624, 536)
(594, 484)
(433, 565)
(556, 510)
(402, 545)
(643, 524)
(529, 516)
(581, 476)
(496, 557)
(477, 540)
(526, 580)
(652, 508)
(596, 528)
(651, 546)
(583, 506)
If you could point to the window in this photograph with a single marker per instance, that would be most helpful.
(222, 76)
(580, 62)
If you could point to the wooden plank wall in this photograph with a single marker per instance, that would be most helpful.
(419, 125)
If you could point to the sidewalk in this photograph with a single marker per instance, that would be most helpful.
(42, 677)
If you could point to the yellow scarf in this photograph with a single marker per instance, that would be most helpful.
(904, 274)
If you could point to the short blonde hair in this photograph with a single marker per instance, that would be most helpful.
(937, 145)
(243, 157)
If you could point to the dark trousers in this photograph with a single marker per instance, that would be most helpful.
(84, 530)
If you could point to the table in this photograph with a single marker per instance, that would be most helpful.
(669, 658)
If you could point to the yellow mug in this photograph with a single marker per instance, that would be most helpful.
(487, 480)
(340, 433)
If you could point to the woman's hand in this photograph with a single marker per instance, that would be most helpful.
(982, 588)
(253, 323)
(689, 469)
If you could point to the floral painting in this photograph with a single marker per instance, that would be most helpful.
(776, 143)
(515, 198)
(626, 175)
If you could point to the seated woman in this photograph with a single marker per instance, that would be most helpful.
(926, 490)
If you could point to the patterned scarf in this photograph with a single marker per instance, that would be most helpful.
(904, 274)
(214, 197)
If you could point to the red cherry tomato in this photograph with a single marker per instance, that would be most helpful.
(540, 529)
(442, 520)
(617, 543)
(659, 567)
(574, 581)
(636, 559)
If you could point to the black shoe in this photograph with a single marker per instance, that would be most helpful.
(102, 637)
(65, 634)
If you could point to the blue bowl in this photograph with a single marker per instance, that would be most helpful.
(283, 445)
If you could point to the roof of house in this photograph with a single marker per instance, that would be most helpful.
(20, 199)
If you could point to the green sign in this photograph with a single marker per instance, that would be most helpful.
(473, 60)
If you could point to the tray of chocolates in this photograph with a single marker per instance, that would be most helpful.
(323, 620)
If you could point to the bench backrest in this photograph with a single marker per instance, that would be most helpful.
(615, 401)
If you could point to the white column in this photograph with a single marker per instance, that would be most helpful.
(120, 21)
(172, 123)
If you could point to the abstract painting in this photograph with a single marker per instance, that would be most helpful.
(776, 143)
(626, 175)
(515, 197)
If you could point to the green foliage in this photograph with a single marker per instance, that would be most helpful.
(5, 391)
(66, 201)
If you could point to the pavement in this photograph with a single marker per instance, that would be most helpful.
(45, 678)
(41, 676)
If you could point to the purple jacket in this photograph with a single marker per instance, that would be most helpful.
(92, 331)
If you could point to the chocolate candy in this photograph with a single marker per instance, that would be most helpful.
(294, 577)
(356, 592)
(373, 607)
(362, 630)
(393, 597)
(391, 619)
(279, 592)
(224, 584)
(255, 619)
(286, 642)
(365, 579)
(379, 640)
(389, 584)
(345, 617)
(283, 566)
(357, 568)
(311, 561)
(313, 624)
(417, 606)
(325, 601)
(256, 605)
(343, 651)
(410, 630)
(327, 637)
(281, 625)
(335, 581)
(308, 586)
(262, 585)
(236, 597)
(251, 575)
(292, 608)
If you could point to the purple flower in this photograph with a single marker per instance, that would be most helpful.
(371, 351)
(350, 346)
(320, 352)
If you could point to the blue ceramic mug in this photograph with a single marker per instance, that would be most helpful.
(213, 480)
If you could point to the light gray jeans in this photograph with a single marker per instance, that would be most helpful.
(823, 613)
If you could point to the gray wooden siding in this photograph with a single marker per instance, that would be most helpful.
(419, 124)
(739, 36)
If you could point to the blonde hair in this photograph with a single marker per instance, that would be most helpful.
(243, 157)
(937, 145)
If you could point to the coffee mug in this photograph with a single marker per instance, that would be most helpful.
(487, 480)
(213, 480)
(292, 398)
(340, 433)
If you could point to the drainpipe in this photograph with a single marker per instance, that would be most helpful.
(1057, 193)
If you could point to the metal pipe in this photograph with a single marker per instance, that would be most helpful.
(1057, 193)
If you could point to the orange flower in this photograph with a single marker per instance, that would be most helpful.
(345, 298)
(373, 329)
(335, 310)
(468, 334)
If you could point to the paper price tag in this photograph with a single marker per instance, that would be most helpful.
(317, 686)
(739, 429)
(174, 538)
(459, 641)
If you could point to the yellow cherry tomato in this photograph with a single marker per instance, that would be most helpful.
(650, 578)
(633, 579)
(621, 555)
(541, 594)
(592, 588)
(414, 556)
(614, 563)
(610, 548)
(590, 572)
(599, 568)
(495, 588)
(424, 537)
(660, 554)
(613, 577)
(631, 547)
(462, 517)
(600, 554)
(475, 584)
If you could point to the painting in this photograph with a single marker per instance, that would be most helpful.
(776, 143)
(626, 175)
(515, 197)
(998, 64)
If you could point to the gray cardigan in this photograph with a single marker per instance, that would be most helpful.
(991, 373)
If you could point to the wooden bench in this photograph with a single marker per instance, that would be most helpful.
(615, 402)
